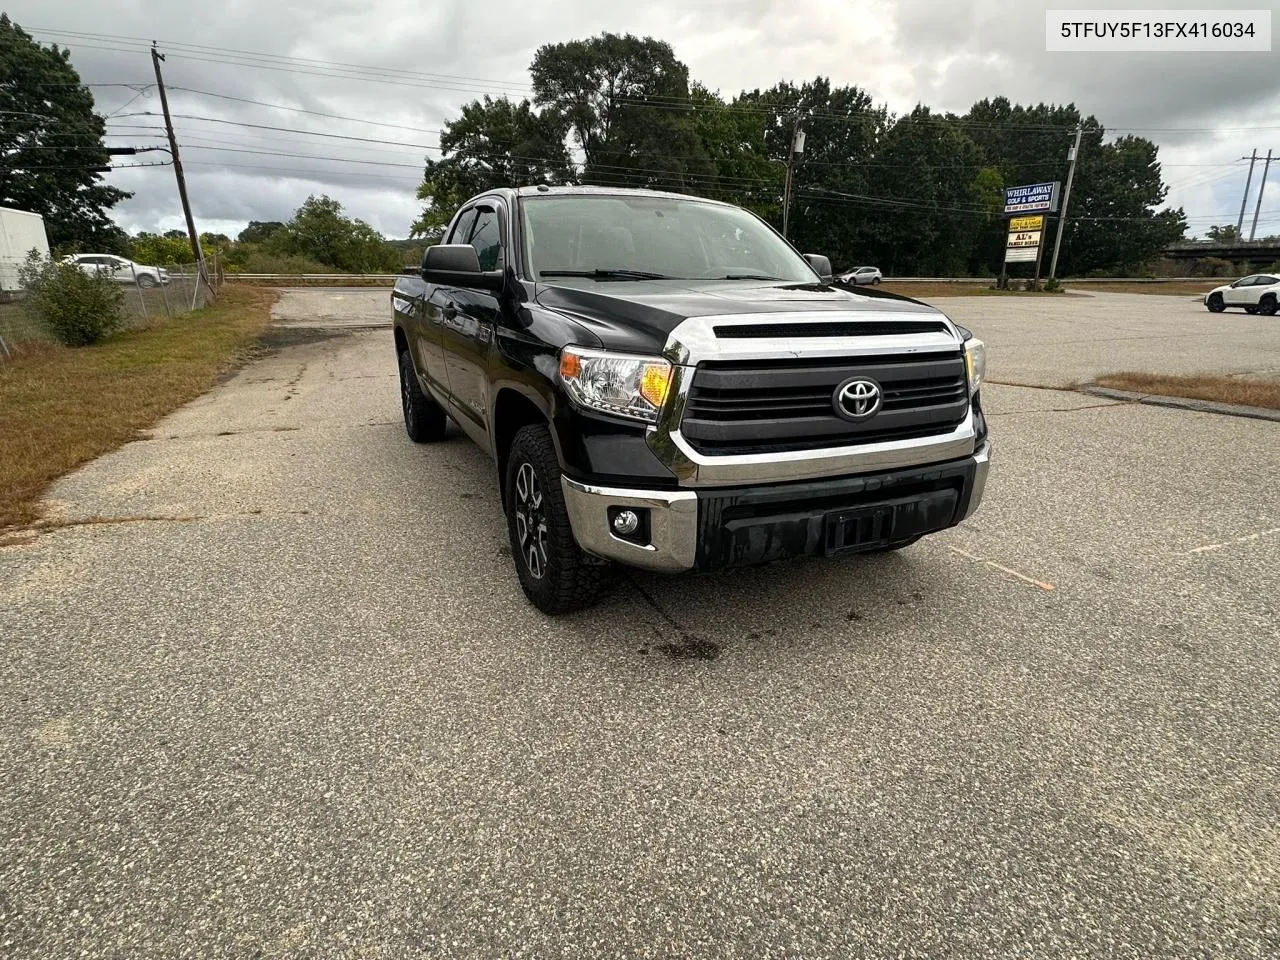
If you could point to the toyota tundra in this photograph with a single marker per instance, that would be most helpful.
(664, 382)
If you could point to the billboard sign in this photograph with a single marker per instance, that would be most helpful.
(1032, 198)
(1026, 223)
(1023, 246)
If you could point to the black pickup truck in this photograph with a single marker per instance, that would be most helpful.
(664, 382)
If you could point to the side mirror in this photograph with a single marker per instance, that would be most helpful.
(458, 265)
(821, 264)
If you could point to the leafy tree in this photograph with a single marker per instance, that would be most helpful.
(1112, 225)
(320, 231)
(51, 145)
(259, 231)
(495, 143)
(625, 99)
(734, 141)
(1224, 234)
(841, 129)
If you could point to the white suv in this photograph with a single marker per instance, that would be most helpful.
(119, 269)
(862, 275)
(1257, 293)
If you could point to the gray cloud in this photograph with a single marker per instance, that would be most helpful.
(944, 54)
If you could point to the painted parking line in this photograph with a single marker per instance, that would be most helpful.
(1210, 547)
(1047, 587)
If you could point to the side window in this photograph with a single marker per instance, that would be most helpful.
(487, 239)
(1268, 281)
(462, 229)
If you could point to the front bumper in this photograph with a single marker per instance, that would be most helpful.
(710, 529)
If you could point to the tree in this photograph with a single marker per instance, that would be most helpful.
(841, 130)
(319, 230)
(733, 140)
(940, 195)
(51, 149)
(1224, 234)
(258, 231)
(625, 100)
(1112, 225)
(495, 143)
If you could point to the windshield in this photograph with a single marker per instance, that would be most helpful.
(654, 236)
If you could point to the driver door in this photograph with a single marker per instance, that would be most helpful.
(1240, 292)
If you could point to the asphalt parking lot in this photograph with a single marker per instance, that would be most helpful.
(274, 691)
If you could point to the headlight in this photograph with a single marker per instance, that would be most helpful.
(975, 362)
(616, 383)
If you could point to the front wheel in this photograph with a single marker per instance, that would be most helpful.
(147, 281)
(1215, 303)
(555, 574)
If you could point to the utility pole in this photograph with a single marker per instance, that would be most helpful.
(1066, 198)
(797, 148)
(201, 273)
(1244, 201)
(1261, 187)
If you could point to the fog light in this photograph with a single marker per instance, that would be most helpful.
(625, 523)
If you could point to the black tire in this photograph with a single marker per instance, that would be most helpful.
(1267, 305)
(875, 282)
(146, 280)
(424, 420)
(554, 573)
(1215, 303)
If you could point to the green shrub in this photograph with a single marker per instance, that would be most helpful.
(78, 308)
(1052, 285)
(260, 261)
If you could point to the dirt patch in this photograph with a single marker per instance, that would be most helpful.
(1163, 288)
(1240, 391)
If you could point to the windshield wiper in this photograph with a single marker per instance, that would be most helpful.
(606, 274)
(750, 276)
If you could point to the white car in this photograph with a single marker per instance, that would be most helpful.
(862, 275)
(119, 269)
(1257, 293)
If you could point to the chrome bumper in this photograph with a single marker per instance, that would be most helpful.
(673, 519)
(982, 466)
(673, 524)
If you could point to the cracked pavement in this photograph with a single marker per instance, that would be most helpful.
(317, 717)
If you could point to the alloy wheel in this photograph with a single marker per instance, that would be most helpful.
(531, 521)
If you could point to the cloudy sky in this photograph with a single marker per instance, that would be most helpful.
(396, 70)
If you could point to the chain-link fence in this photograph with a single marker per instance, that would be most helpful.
(145, 297)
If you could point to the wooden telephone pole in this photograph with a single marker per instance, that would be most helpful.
(201, 272)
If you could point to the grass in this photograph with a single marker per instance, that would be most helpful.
(1222, 389)
(61, 407)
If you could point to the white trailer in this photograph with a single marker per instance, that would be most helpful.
(20, 233)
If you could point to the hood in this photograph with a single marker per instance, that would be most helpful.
(638, 315)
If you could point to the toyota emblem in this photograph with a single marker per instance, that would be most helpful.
(857, 399)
